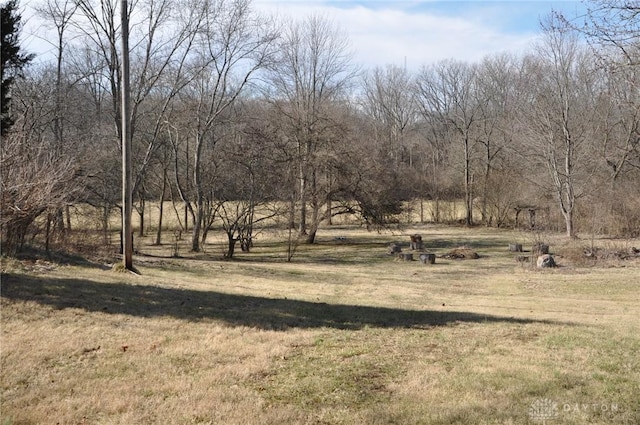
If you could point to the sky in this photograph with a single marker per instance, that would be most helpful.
(416, 33)
(411, 33)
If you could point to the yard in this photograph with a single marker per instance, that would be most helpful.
(343, 334)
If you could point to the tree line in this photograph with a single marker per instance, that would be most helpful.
(238, 118)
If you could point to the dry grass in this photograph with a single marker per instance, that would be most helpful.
(342, 335)
(88, 217)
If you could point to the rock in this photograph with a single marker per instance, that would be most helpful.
(546, 260)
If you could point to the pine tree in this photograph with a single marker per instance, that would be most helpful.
(12, 60)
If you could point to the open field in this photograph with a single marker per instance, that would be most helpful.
(87, 217)
(342, 335)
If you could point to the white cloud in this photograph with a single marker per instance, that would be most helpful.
(384, 34)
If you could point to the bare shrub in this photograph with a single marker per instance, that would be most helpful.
(34, 180)
(600, 252)
(614, 211)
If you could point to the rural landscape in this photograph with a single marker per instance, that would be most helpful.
(211, 215)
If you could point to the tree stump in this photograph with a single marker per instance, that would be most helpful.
(540, 249)
(416, 242)
(394, 249)
(405, 256)
(515, 247)
(428, 258)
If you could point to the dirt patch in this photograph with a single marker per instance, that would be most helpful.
(461, 253)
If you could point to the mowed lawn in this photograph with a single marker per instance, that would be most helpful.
(344, 334)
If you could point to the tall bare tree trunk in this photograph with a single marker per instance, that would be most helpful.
(302, 226)
(161, 206)
(197, 182)
(315, 211)
(141, 214)
(468, 184)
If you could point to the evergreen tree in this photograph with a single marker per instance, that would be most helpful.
(12, 60)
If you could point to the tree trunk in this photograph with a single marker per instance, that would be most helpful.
(291, 242)
(68, 215)
(485, 191)
(141, 214)
(231, 245)
(161, 207)
(59, 222)
(315, 212)
(302, 230)
(159, 231)
(468, 195)
(568, 222)
(197, 226)
(311, 236)
(197, 179)
(48, 233)
(105, 224)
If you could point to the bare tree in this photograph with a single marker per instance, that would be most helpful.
(312, 71)
(59, 14)
(621, 123)
(496, 99)
(161, 39)
(436, 151)
(446, 91)
(558, 117)
(617, 150)
(613, 28)
(389, 101)
(246, 195)
(233, 44)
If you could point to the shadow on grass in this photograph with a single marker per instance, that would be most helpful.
(234, 310)
(32, 254)
(331, 252)
(472, 243)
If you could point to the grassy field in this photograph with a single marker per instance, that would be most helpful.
(88, 217)
(344, 334)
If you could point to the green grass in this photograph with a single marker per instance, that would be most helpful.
(343, 334)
